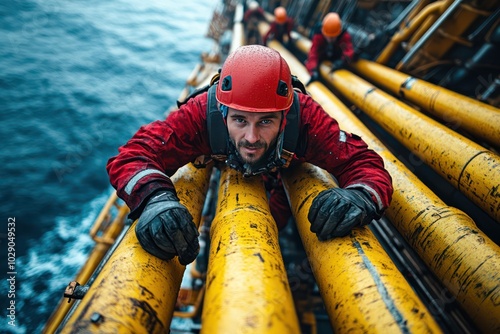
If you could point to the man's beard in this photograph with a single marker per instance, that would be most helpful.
(250, 159)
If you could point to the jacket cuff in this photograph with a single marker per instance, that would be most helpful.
(138, 195)
(371, 193)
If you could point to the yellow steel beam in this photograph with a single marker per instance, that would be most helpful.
(135, 291)
(362, 289)
(247, 289)
(469, 167)
(478, 118)
(465, 260)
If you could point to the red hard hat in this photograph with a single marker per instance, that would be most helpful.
(332, 25)
(255, 78)
(280, 15)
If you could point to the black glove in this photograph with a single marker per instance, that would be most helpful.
(337, 64)
(166, 229)
(314, 77)
(336, 211)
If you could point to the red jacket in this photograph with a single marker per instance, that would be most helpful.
(158, 149)
(321, 50)
(257, 14)
(278, 31)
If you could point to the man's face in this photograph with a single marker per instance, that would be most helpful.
(252, 133)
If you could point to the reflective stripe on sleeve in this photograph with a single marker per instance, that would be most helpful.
(342, 137)
(133, 181)
(371, 191)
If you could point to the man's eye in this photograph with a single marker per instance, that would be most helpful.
(239, 120)
(266, 121)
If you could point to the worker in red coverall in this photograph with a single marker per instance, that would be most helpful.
(253, 15)
(253, 96)
(280, 28)
(331, 43)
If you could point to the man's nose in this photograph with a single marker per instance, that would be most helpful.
(252, 134)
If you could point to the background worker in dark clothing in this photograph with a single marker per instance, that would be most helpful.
(253, 15)
(332, 42)
(280, 28)
(253, 97)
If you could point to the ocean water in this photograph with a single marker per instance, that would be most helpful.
(77, 79)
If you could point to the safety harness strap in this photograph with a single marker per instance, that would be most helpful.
(217, 130)
(291, 134)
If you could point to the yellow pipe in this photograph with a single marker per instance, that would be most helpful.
(444, 237)
(419, 7)
(480, 119)
(434, 8)
(455, 25)
(247, 289)
(94, 258)
(362, 289)
(428, 22)
(469, 167)
(135, 291)
(300, 42)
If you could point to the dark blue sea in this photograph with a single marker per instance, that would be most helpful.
(77, 79)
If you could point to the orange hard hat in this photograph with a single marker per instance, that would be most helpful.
(332, 25)
(280, 15)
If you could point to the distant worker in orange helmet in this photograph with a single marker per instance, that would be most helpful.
(253, 120)
(332, 43)
(281, 26)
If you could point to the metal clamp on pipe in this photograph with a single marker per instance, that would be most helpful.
(75, 291)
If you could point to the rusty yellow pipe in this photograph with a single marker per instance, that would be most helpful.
(444, 237)
(469, 167)
(465, 260)
(362, 289)
(433, 9)
(394, 311)
(247, 289)
(135, 291)
(478, 118)
(95, 257)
